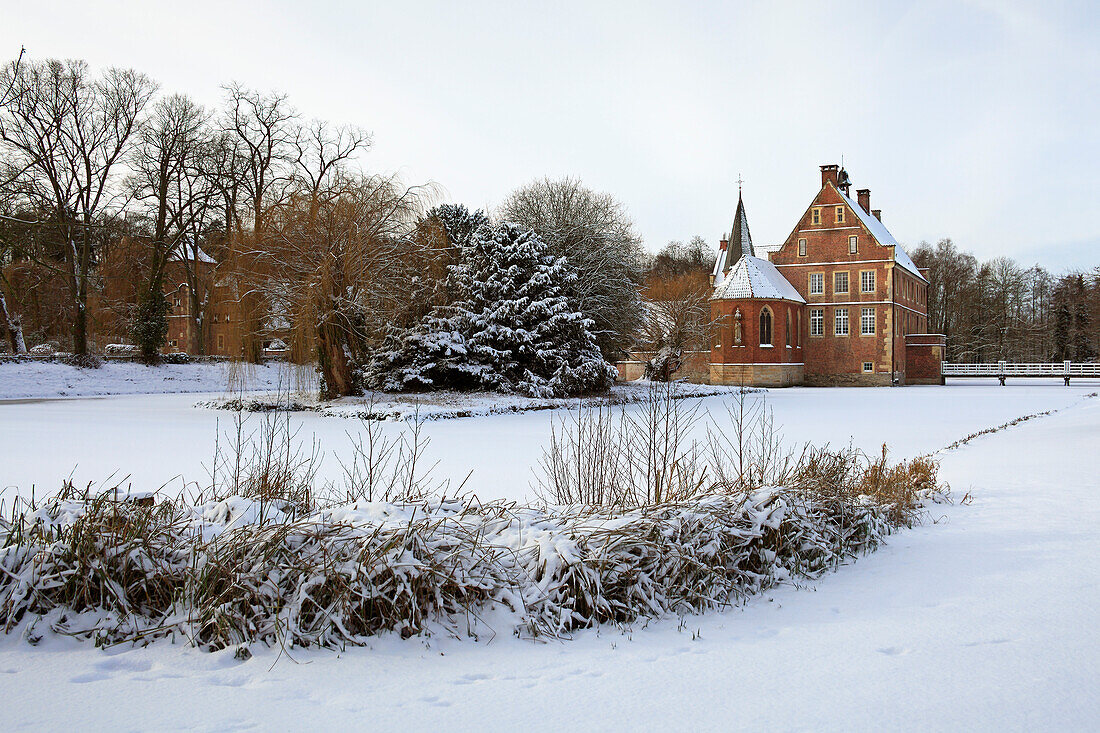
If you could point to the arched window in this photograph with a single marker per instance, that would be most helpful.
(765, 327)
(788, 327)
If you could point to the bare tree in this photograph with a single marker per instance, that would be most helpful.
(68, 135)
(593, 232)
(264, 128)
(171, 186)
(342, 258)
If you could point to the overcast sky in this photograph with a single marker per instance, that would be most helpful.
(974, 120)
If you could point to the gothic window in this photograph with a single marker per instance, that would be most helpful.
(737, 333)
(765, 327)
(788, 331)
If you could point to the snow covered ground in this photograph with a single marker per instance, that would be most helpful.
(41, 379)
(984, 620)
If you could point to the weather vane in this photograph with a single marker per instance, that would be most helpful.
(739, 182)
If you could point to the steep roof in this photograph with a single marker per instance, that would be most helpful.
(753, 277)
(740, 242)
(882, 234)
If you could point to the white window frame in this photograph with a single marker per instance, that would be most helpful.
(818, 279)
(817, 321)
(868, 367)
(847, 282)
(867, 281)
(867, 322)
(853, 245)
(841, 320)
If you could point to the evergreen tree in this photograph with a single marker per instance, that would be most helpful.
(1082, 322)
(511, 328)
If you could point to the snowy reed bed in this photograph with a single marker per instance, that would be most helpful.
(258, 557)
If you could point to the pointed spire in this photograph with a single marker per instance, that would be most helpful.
(740, 239)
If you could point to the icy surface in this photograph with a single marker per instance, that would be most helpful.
(42, 379)
(984, 620)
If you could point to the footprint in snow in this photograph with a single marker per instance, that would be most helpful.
(469, 679)
(81, 679)
(985, 643)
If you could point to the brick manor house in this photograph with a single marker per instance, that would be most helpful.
(839, 302)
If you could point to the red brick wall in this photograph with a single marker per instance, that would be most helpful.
(725, 350)
(827, 253)
(924, 357)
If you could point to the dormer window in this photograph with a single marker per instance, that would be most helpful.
(840, 215)
(815, 216)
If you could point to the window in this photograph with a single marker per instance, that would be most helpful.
(215, 318)
(221, 342)
(867, 321)
(802, 248)
(817, 283)
(852, 242)
(737, 333)
(788, 332)
(867, 281)
(765, 327)
(840, 215)
(172, 343)
(817, 321)
(815, 216)
(840, 327)
(868, 367)
(799, 330)
(178, 302)
(840, 282)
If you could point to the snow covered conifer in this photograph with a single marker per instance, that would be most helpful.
(511, 326)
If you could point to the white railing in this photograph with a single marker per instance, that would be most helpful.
(1010, 369)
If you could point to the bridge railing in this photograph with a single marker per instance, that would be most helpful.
(1016, 369)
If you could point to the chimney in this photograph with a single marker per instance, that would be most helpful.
(723, 244)
(877, 214)
(863, 195)
(829, 174)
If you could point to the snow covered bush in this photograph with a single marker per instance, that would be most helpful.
(227, 572)
(510, 328)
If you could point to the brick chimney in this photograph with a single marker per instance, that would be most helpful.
(863, 195)
(723, 244)
(877, 213)
(829, 174)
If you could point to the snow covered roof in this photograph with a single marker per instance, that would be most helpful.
(201, 256)
(753, 277)
(882, 234)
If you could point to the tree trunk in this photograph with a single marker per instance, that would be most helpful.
(14, 328)
(335, 368)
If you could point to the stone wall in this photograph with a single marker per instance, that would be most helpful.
(757, 375)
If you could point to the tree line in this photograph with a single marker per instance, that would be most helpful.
(105, 181)
(999, 310)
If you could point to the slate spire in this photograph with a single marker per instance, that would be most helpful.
(740, 239)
